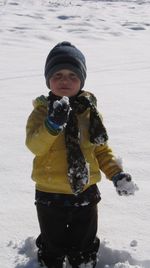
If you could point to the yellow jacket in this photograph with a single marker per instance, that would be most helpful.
(50, 162)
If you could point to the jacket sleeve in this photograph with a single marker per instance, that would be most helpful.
(38, 138)
(107, 161)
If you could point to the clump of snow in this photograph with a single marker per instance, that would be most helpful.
(26, 256)
(133, 243)
(100, 140)
(63, 101)
(126, 265)
(125, 187)
(26, 253)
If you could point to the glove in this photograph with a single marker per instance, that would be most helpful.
(124, 184)
(59, 113)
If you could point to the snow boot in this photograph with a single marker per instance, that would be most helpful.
(45, 260)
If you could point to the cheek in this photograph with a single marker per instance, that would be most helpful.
(53, 83)
(76, 84)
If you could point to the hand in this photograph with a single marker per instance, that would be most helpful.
(59, 113)
(124, 184)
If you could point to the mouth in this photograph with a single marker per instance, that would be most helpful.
(64, 88)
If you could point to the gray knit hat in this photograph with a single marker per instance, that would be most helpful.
(65, 56)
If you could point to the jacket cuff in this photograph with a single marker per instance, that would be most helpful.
(52, 128)
(117, 177)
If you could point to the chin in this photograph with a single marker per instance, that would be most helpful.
(65, 92)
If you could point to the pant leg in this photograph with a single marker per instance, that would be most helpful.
(52, 241)
(82, 232)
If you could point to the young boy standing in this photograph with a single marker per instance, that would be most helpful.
(66, 134)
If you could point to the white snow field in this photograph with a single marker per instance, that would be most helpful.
(115, 38)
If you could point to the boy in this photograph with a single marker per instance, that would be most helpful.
(66, 134)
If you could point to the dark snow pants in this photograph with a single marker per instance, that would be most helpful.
(67, 231)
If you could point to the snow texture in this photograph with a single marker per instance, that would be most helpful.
(115, 38)
(64, 100)
(25, 256)
(126, 188)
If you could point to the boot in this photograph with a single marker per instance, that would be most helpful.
(45, 259)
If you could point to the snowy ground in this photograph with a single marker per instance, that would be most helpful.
(115, 38)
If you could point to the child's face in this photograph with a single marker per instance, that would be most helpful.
(65, 83)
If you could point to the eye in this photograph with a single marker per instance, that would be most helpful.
(73, 76)
(57, 76)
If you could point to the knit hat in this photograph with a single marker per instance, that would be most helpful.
(65, 56)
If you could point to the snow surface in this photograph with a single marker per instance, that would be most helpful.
(115, 38)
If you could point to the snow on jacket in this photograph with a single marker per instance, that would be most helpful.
(50, 162)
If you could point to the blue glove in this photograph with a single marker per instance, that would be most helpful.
(58, 114)
(124, 184)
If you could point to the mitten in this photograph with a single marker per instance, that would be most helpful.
(124, 184)
(58, 114)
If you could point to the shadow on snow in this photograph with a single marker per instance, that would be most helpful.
(108, 258)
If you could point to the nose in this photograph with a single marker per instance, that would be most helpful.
(64, 78)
